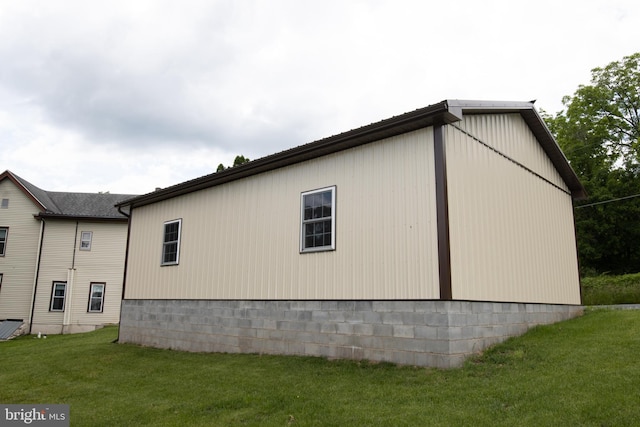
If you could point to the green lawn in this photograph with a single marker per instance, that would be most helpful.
(580, 372)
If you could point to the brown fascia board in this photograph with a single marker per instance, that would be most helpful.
(442, 113)
(46, 215)
(552, 149)
(7, 174)
(424, 117)
(539, 129)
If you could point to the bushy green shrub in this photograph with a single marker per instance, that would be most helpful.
(607, 290)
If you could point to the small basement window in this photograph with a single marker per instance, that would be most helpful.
(171, 242)
(318, 220)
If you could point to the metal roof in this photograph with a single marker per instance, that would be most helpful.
(442, 113)
(8, 327)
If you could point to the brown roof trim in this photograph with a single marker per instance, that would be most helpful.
(539, 129)
(445, 112)
(86, 218)
(442, 214)
(8, 175)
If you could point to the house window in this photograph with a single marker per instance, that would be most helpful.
(4, 204)
(85, 240)
(171, 242)
(1, 281)
(318, 220)
(96, 297)
(57, 296)
(3, 239)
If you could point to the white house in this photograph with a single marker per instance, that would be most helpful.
(61, 258)
(417, 240)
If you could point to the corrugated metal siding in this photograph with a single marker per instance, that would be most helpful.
(18, 264)
(241, 240)
(509, 134)
(104, 263)
(512, 234)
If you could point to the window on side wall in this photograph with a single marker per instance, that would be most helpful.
(318, 220)
(4, 231)
(58, 294)
(85, 240)
(96, 298)
(4, 204)
(171, 242)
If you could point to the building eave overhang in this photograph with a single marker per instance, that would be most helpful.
(87, 218)
(538, 128)
(11, 177)
(442, 113)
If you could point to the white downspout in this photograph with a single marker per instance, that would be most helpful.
(71, 273)
(68, 309)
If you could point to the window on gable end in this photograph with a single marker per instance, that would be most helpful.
(4, 204)
(171, 242)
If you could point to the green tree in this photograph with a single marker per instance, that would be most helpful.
(239, 160)
(600, 134)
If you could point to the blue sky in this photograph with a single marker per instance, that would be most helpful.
(126, 96)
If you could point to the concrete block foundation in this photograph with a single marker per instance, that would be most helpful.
(423, 333)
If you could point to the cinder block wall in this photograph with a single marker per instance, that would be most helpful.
(423, 333)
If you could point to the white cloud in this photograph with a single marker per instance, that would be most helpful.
(150, 93)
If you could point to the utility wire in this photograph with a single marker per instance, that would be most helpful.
(608, 201)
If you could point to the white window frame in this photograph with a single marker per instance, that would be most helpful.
(54, 297)
(304, 248)
(167, 243)
(92, 298)
(85, 240)
(3, 241)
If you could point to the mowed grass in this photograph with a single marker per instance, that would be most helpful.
(607, 290)
(581, 372)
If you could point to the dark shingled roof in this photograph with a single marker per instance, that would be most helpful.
(74, 205)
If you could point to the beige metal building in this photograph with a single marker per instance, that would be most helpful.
(61, 258)
(418, 239)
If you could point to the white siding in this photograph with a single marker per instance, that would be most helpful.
(103, 264)
(56, 260)
(241, 240)
(512, 233)
(61, 259)
(18, 264)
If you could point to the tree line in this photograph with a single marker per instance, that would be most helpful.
(599, 132)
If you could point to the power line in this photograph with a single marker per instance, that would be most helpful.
(608, 201)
